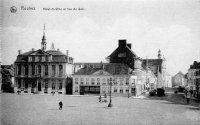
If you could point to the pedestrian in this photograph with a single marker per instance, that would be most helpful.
(188, 100)
(60, 105)
(99, 98)
(105, 96)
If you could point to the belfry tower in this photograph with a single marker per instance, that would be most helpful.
(43, 43)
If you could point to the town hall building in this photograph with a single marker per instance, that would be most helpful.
(42, 71)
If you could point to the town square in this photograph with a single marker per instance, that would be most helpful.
(133, 62)
(86, 110)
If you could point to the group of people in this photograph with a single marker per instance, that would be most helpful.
(100, 98)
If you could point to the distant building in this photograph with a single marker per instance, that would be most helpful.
(178, 80)
(194, 79)
(168, 82)
(158, 67)
(43, 71)
(121, 56)
(124, 54)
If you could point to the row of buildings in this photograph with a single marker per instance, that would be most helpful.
(193, 79)
(190, 81)
(47, 71)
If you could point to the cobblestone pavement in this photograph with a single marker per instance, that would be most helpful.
(86, 110)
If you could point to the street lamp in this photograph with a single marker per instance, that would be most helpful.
(110, 104)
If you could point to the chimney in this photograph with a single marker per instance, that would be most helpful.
(58, 49)
(33, 49)
(129, 45)
(67, 52)
(19, 52)
(122, 43)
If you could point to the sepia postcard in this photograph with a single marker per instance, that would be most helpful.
(100, 62)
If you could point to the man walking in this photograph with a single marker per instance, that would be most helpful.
(60, 105)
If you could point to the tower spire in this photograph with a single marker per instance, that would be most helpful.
(159, 54)
(43, 43)
(44, 30)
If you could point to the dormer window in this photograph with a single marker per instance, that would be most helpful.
(36, 58)
(50, 58)
(40, 58)
(43, 58)
(46, 59)
(30, 59)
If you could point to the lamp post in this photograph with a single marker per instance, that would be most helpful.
(110, 103)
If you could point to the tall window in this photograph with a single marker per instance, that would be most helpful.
(115, 89)
(115, 81)
(39, 69)
(33, 58)
(46, 70)
(127, 81)
(33, 69)
(98, 81)
(26, 69)
(76, 89)
(46, 84)
(133, 81)
(26, 84)
(127, 90)
(53, 70)
(104, 81)
(53, 85)
(40, 58)
(29, 58)
(121, 81)
(92, 81)
(46, 58)
(76, 80)
(82, 81)
(121, 90)
(60, 70)
(60, 85)
(19, 83)
(19, 69)
(87, 81)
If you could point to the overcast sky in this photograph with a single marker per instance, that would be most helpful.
(90, 35)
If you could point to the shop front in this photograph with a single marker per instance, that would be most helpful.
(89, 90)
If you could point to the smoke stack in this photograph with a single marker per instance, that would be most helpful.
(19, 52)
(122, 43)
(129, 45)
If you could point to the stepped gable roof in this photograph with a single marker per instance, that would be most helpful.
(112, 68)
(120, 49)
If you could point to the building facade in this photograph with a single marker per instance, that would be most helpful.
(144, 69)
(158, 67)
(178, 80)
(97, 80)
(193, 81)
(42, 71)
(123, 55)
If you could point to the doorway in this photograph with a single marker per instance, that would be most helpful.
(39, 86)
